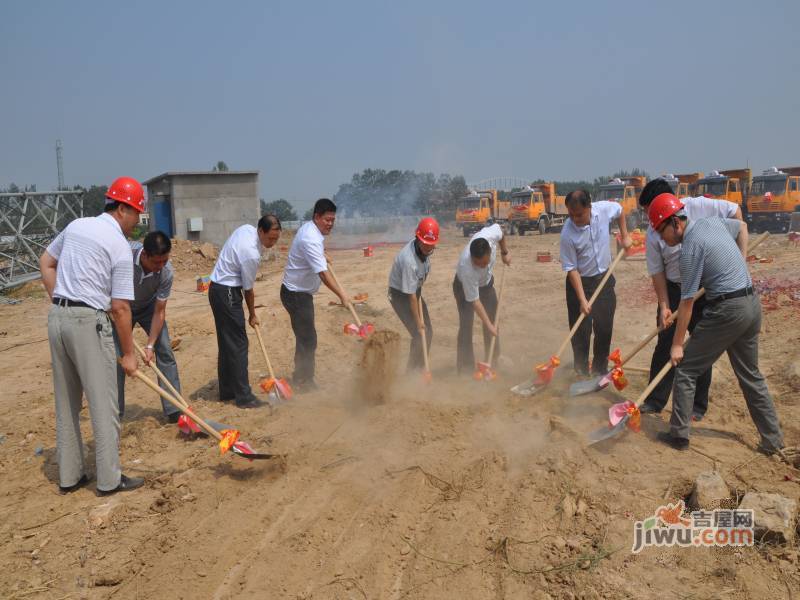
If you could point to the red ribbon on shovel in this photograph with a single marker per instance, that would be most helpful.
(363, 331)
(546, 370)
(281, 385)
(617, 375)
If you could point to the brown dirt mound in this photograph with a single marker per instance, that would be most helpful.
(378, 367)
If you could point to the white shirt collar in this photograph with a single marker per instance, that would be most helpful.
(110, 219)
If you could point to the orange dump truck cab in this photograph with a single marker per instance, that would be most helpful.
(625, 190)
(731, 185)
(474, 211)
(684, 184)
(537, 207)
(774, 196)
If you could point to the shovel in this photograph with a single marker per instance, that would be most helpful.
(357, 328)
(483, 370)
(595, 385)
(228, 439)
(185, 424)
(545, 371)
(627, 410)
(427, 376)
(277, 389)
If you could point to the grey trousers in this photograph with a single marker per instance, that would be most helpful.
(84, 362)
(730, 326)
(165, 361)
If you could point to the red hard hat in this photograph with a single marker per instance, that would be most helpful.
(428, 231)
(662, 208)
(128, 191)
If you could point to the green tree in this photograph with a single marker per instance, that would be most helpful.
(280, 208)
(309, 214)
(220, 167)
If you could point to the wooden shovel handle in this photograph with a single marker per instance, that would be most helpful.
(161, 377)
(349, 304)
(668, 323)
(424, 337)
(264, 351)
(177, 404)
(597, 291)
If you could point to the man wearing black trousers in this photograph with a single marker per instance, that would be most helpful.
(663, 265)
(231, 281)
(306, 267)
(409, 271)
(473, 288)
(586, 256)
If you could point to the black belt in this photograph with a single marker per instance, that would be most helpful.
(71, 303)
(730, 295)
(230, 287)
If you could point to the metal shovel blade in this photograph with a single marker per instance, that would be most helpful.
(604, 433)
(244, 450)
(579, 388)
(527, 388)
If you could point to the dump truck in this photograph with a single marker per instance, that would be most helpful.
(474, 210)
(774, 196)
(625, 190)
(684, 184)
(731, 185)
(537, 207)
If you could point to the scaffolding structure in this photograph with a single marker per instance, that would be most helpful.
(28, 223)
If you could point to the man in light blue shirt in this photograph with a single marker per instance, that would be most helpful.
(585, 257)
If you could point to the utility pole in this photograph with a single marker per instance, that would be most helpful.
(60, 164)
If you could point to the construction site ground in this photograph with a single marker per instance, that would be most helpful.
(455, 489)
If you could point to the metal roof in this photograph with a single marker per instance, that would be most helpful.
(191, 173)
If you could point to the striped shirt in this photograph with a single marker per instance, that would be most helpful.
(149, 287)
(94, 262)
(587, 248)
(666, 259)
(711, 259)
(409, 271)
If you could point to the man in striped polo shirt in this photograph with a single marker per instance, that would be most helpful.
(713, 256)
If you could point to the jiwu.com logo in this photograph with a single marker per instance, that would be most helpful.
(669, 526)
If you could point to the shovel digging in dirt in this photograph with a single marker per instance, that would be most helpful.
(545, 371)
(278, 390)
(357, 328)
(228, 439)
(427, 376)
(484, 370)
(616, 375)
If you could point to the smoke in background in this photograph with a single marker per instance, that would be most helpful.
(381, 193)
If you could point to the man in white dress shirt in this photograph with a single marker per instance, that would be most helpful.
(585, 257)
(663, 265)
(88, 272)
(473, 288)
(232, 280)
(306, 267)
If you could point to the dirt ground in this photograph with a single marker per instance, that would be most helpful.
(456, 489)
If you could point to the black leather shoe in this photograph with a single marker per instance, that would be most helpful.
(251, 403)
(126, 484)
(677, 443)
(72, 488)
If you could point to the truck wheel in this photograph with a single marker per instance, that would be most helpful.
(542, 226)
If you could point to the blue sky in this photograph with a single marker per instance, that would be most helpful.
(310, 92)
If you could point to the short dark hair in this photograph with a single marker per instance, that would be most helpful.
(111, 206)
(324, 205)
(156, 243)
(652, 189)
(269, 222)
(479, 247)
(578, 198)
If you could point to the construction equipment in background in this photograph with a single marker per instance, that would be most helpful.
(684, 184)
(731, 185)
(537, 207)
(626, 190)
(474, 211)
(774, 196)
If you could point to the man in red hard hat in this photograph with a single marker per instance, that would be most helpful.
(88, 273)
(409, 271)
(663, 266)
(713, 256)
